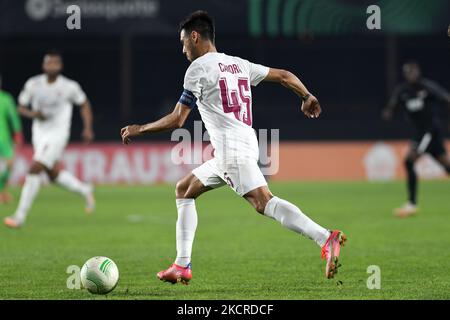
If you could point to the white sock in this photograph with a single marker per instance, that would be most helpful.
(186, 226)
(71, 183)
(29, 192)
(291, 217)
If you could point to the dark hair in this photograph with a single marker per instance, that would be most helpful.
(412, 61)
(201, 22)
(54, 53)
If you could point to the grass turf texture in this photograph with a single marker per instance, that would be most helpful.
(238, 254)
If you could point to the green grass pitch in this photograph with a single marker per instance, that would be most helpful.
(238, 254)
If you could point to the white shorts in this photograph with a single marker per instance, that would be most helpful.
(49, 151)
(243, 175)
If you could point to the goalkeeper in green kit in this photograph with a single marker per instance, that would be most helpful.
(10, 134)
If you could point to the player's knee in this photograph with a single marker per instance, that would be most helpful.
(52, 175)
(36, 168)
(260, 204)
(181, 189)
(258, 198)
(259, 207)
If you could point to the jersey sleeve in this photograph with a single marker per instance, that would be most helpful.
(78, 96)
(194, 79)
(13, 116)
(257, 73)
(26, 93)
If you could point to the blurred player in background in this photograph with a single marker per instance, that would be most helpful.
(9, 123)
(421, 99)
(51, 97)
(219, 85)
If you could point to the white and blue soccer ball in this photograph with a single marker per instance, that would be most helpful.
(99, 275)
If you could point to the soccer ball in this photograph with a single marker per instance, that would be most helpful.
(99, 275)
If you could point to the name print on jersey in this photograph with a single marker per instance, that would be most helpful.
(231, 68)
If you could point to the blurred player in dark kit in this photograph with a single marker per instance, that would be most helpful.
(421, 99)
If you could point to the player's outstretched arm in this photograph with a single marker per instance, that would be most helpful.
(88, 119)
(30, 114)
(388, 111)
(173, 120)
(310, 105)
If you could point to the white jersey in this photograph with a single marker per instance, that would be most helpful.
(55, 101)
(221, 84)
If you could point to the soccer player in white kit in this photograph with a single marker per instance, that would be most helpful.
(219, 85)
(51, 97)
